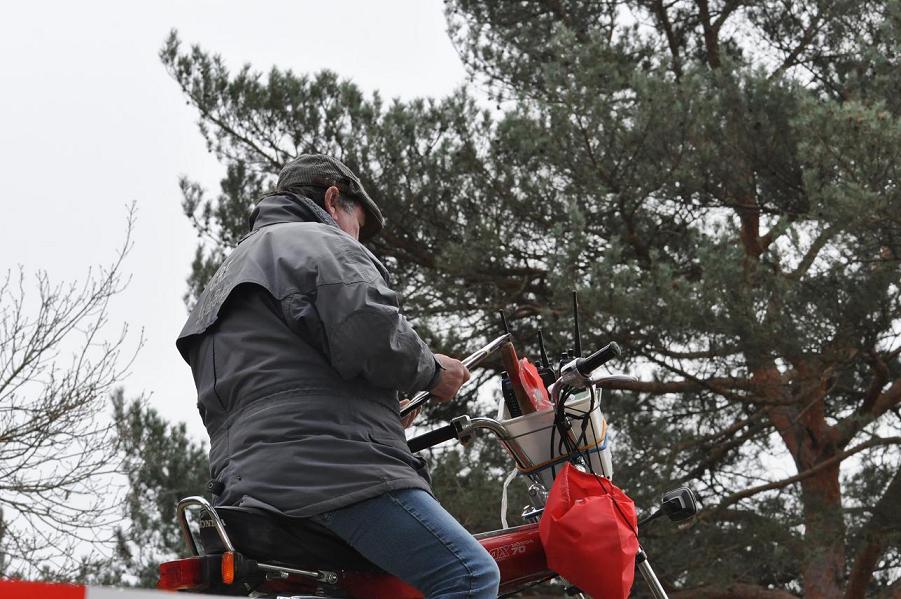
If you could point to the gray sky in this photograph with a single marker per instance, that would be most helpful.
(90, 122)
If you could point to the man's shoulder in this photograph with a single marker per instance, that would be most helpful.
(333, 253)
(299, 239)
(308, 235)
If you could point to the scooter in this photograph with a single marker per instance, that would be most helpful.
(253, 552)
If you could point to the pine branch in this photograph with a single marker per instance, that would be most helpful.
(876, 535)
(837, 458)
(871, 409)
(732, 591)
(663, 19)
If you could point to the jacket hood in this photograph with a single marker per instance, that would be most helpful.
(286, 207)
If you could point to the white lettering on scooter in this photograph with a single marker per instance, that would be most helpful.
(507, 551)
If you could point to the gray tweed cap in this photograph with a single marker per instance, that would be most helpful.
(319, 170)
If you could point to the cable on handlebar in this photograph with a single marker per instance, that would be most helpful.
(565, 445)
(563, 423)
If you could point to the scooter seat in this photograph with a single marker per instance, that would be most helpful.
(278, 540)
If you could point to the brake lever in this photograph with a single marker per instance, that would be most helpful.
(611, 381)
(470, 361)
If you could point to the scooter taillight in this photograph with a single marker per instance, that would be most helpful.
(184, 574)
(228, 567)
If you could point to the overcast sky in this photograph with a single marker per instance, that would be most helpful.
(90, 122)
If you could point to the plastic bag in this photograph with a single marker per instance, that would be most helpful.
(589, 532)
(533, 386)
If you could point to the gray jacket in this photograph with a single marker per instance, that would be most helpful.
(298, 351)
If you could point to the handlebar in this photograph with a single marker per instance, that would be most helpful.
(432, 438)
(577, 371)
(586, 366)
(464, 428)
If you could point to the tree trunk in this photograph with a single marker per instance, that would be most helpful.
(824, 536)
(809, 440)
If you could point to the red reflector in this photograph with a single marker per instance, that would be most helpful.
(228, 567)
(181, 574)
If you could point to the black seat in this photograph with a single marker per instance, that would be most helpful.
(294, 542)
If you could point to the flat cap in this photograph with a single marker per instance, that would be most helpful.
(320, 170)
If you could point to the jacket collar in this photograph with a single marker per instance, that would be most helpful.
(287, 207)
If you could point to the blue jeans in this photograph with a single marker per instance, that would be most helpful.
(409, 534)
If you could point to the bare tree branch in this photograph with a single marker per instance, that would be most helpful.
(57, 450)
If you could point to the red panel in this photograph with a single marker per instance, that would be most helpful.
(15, 589)
(518, 553)
(362, 585)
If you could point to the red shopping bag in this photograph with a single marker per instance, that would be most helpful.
(589, 532)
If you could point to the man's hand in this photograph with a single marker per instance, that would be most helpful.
(407, 420)
(450, 379)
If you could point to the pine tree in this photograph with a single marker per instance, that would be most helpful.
(163, 465)
(719, 180)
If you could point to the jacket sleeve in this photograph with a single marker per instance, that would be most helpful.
(360, 327)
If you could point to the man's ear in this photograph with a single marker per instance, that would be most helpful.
(330, 201)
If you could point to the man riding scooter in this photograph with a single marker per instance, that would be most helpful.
(298, 352)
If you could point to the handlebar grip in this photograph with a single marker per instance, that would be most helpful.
(432, 438)
(586, 366)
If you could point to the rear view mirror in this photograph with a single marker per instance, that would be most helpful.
(680, 504)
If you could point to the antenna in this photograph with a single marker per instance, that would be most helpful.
(504, 321)
(576, 333)
(544, 361)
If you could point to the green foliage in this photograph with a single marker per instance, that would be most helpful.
(163, 465)
(469, 483)
(719, 180)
